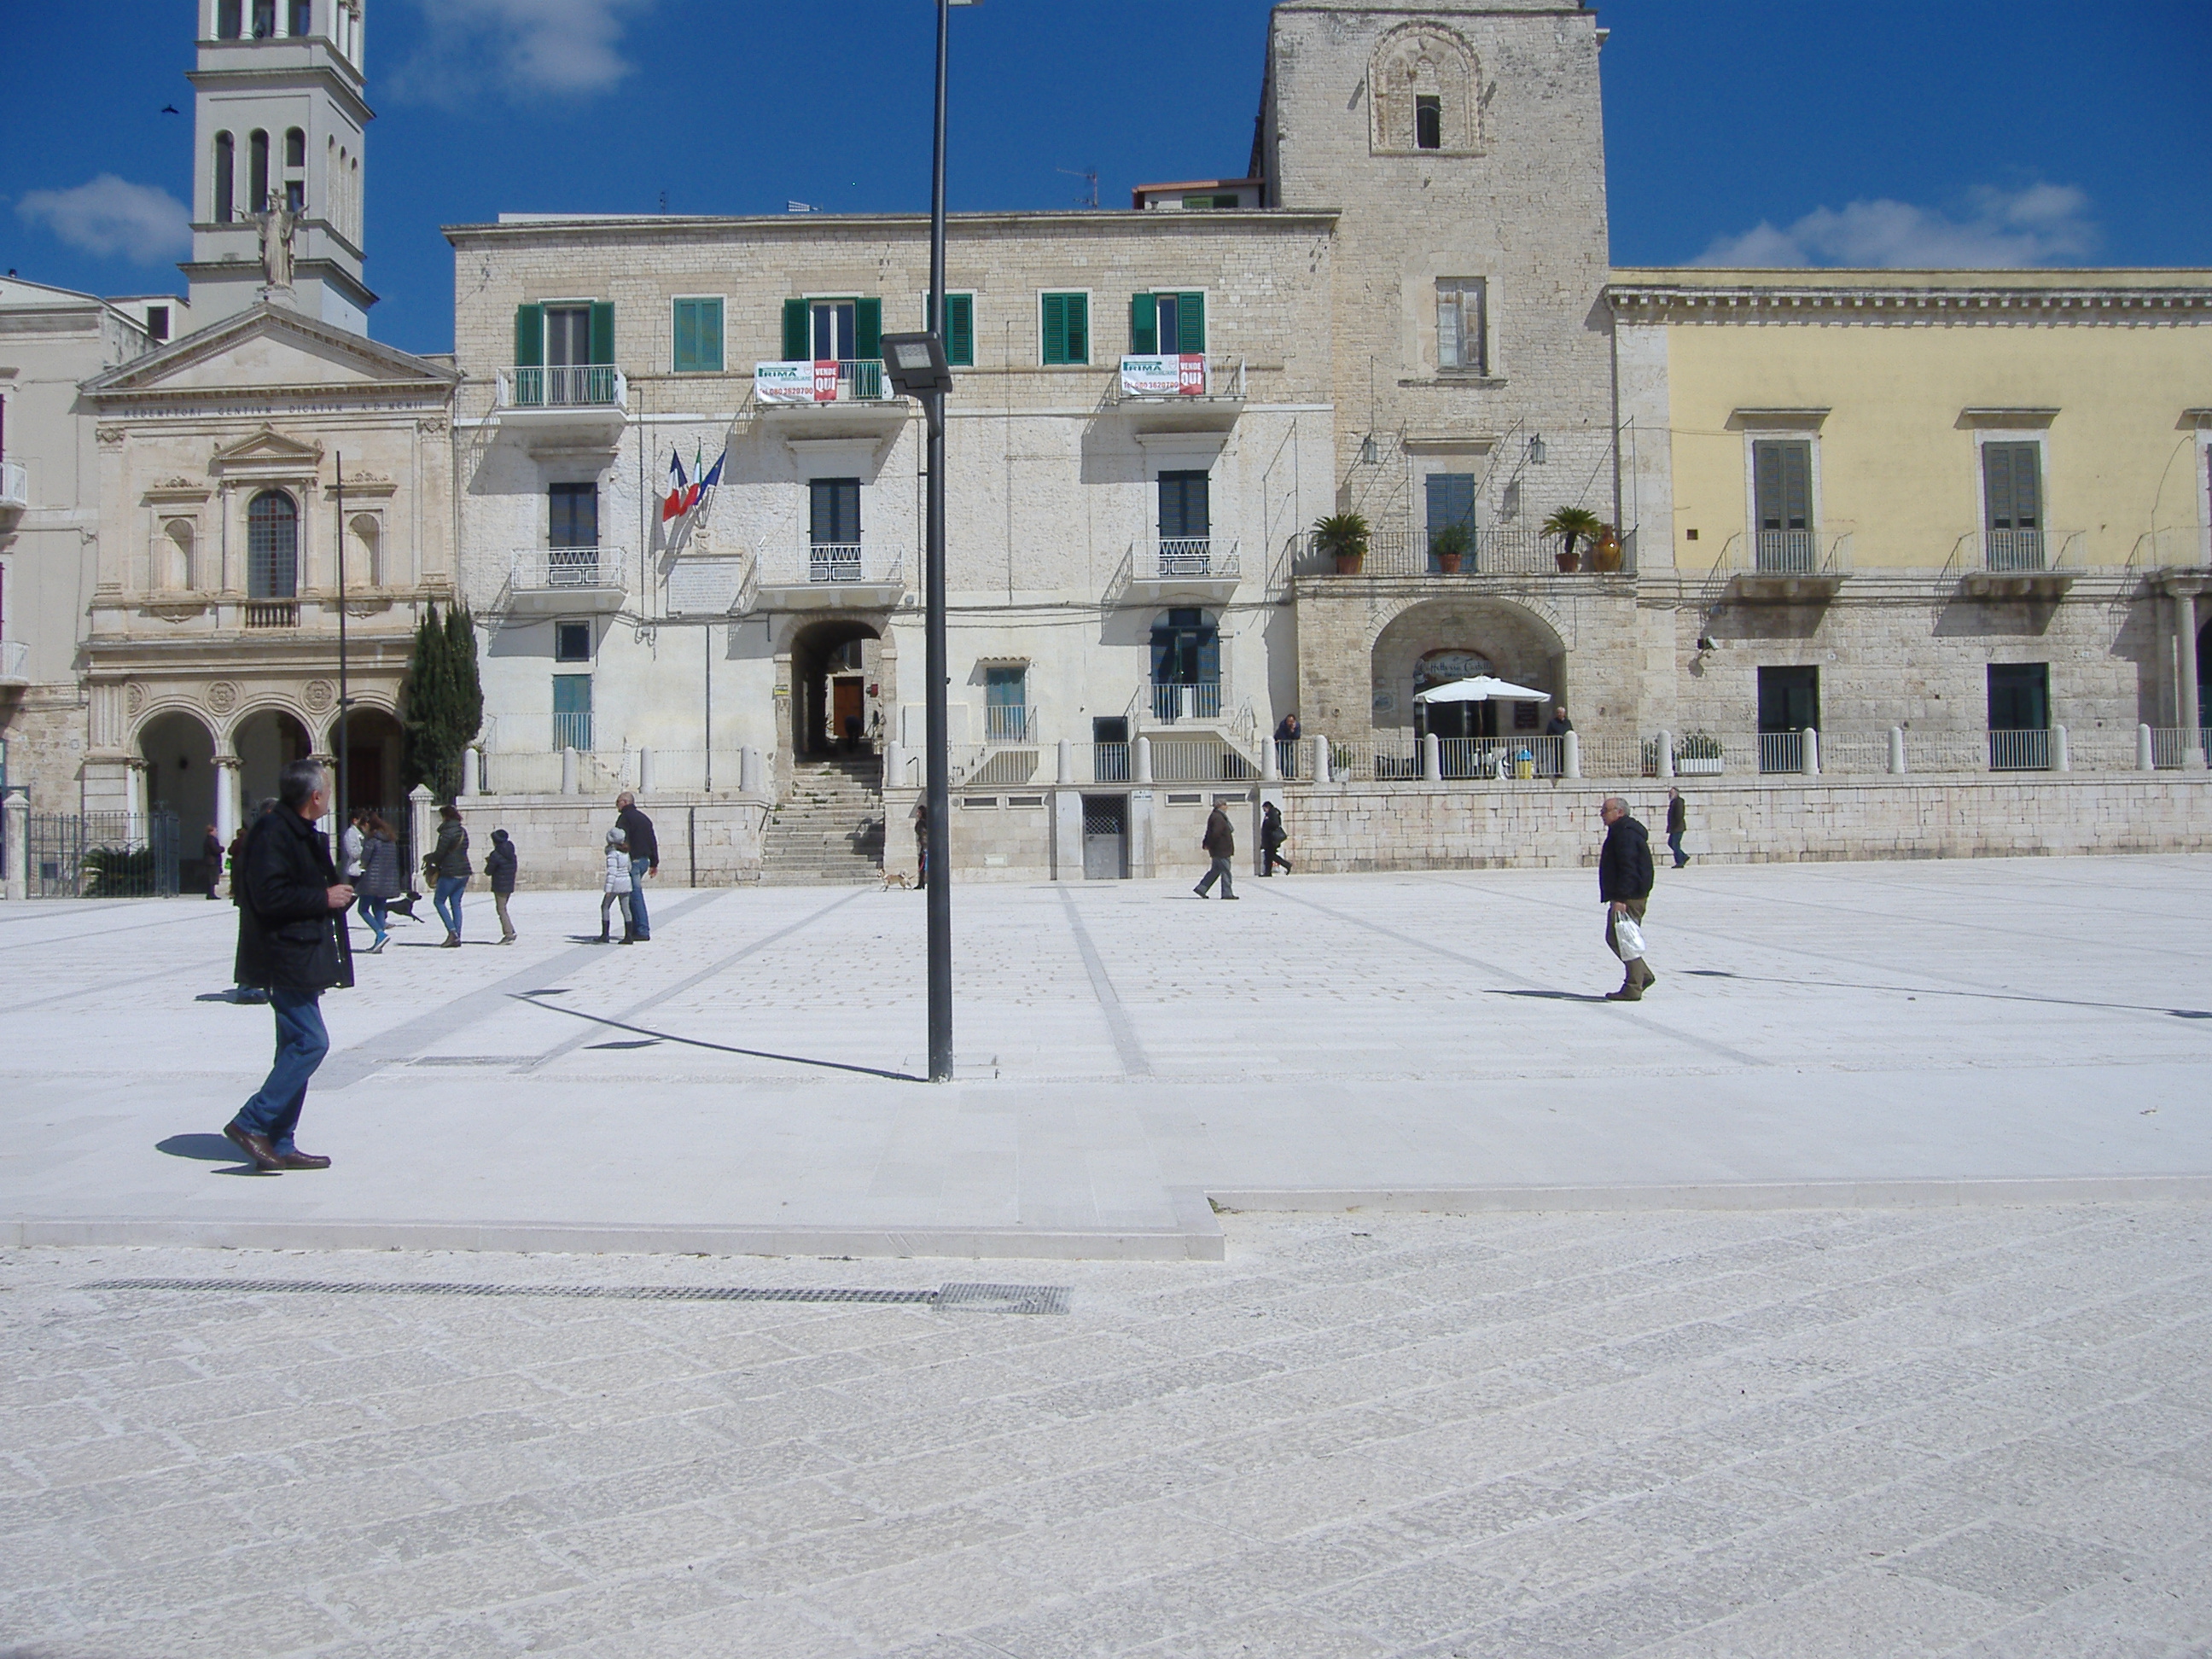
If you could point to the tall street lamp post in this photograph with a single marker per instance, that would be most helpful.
(917, 367)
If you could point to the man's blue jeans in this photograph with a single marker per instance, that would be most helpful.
(301, 1042)
(639, 924)
(446, 899)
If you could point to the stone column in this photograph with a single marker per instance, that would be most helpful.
(423, 808)
(2186, 714)
(16, 880)
(568, 770)
(1572, 763)
(1065, 758)
(1811, 764)
(229, 808)
(1143, 757)
(645, 771)
(1433, 758)
(471, 773)
(1320, 758)
(1897, 752)
(2062, 754)
(2146, 751)
(1271, 762)
(1067, 834)
(1666, 768)
(895, 764)
(139, 805)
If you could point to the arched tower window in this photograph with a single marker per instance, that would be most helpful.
(226, 179)
(296, 166)
(1424, 91)
(229, 19)
(257, 171)
(272, 546)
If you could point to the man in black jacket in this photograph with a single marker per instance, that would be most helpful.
(291, 939)
(1624, 882)
(644, 860)
(1220, 844)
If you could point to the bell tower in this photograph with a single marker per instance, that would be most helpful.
(278, 123)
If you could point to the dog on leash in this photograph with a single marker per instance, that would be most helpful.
(898, 878)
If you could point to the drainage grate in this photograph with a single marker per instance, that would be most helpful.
(1003, 1299)
(965, 1299)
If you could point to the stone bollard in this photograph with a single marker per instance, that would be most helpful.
(1665, 753)
(894, 764)
(1812, 760)
(1897, 752)
(423, 810)
(751, 773)
(1321, 760)
(1066, 774)
(1271, 762)
(645, 771)
(568, 770)
(1570, 764)
(1143, 757)
(471, 774)
(17, 835)
(1432, 758)
(2062, 753)
(2146, 751)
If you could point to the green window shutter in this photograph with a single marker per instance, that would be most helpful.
(1144, 325)
(529, 336)
(1078, 328)
(1055, 328)
(797, 348)
(867, 328)
(1190, 322)
(960, 329)
(685, 350)
(698, 336)
(603, 331)
(710, 336)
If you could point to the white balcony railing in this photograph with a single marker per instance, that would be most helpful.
(580, 385)
(1009, 723)
(271, 613)
(830, 565)
(853, 380)
(1199, 701)
(1188, 557)
(2012, 550)
(14, 662)
(15, 488)
(551, 568)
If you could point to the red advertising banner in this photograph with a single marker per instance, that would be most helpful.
(825, 381)
(1190, 378)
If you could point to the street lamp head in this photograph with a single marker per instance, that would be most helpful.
(916, 364)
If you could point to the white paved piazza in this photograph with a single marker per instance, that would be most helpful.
(1982, 1432)
(1124, 1050)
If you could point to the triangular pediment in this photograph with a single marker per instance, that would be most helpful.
(268, 446)
(267, 349)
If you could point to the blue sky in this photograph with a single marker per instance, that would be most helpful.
(1943, 132)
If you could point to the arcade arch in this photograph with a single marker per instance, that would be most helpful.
(179, 751)
(842, 672)
(265, 741)
(1445, 640)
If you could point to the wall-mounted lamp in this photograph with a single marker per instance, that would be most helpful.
(1367, 457)
(1536, 449)
(1706, 647)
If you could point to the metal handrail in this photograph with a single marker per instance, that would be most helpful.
(574, 386)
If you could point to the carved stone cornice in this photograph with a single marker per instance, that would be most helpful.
(1793, 299)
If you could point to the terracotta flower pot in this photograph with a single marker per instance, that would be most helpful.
(1449, 563)
(1569, 562)
(1348, 564)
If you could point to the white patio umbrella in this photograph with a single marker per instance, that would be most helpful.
(1483, 688)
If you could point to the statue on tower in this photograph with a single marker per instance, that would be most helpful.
(277, 225)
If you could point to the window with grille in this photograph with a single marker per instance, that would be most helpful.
(272, 546)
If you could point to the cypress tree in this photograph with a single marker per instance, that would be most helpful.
(444, 701)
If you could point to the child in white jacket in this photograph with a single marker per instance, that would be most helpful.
(616, 888)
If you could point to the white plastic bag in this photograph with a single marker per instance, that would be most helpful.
(1627, 937)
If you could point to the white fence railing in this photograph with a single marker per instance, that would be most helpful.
(1210, 558)
(538, 569)
(580, 385)
(832, 564)
(14, 661)
(15, 488)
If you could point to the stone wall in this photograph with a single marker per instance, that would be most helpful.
(44, 727)
(560, 841)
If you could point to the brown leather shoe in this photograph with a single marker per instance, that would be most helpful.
(1625, 993)
(296, 1159)
(255, 1146)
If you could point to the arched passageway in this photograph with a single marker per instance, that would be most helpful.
(837, 689)
(373, 756)
(1435, 643)
(267, 741)
(180, 775)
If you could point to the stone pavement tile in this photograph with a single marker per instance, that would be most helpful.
(1082, 1557)
(784, 1627)
(1857, 1615)
(1955, 1425)
(1837, 1466)
(678, 1536)
(767, 1515)
(1614, 1619)
(1878, 1522)
(1289, 1632)
(2021, 1472)
(464, 1582)
(953, 1591)
(50, 1558)
(2051, 1636)
(1417, 1602)
(2011, 1565)
(429, 1638)
(621, 1610)
(282, 1623)
(2145, 1426)
(1572, 1554)
(1469, 1515)
(812, 1558)
(443, 1530)
(2142, 1509)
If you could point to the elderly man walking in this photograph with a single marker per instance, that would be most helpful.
(1220, 844)
(1624, 882)
(291, 939)
(644, 860)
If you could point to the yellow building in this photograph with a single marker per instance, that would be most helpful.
(1940, 500)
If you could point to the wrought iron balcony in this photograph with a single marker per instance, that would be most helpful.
(565, 581)
(828, 575)
(1204, 567)
(564, 387)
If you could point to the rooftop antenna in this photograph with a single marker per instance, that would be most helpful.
(1090, 177)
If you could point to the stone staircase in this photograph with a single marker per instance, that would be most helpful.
(828, 829)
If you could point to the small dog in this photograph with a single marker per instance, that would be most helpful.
(898, 878)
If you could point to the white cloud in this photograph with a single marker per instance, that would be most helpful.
(2042, 224)
(110, 216)
(524, 47)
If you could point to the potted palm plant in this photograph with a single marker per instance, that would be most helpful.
(1571, 525)
(1343, 536)
(1449, 546)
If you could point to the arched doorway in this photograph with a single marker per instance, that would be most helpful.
(373, 750)
(838, 691)
(1435, 643)
(180, 775)
(267, 740)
